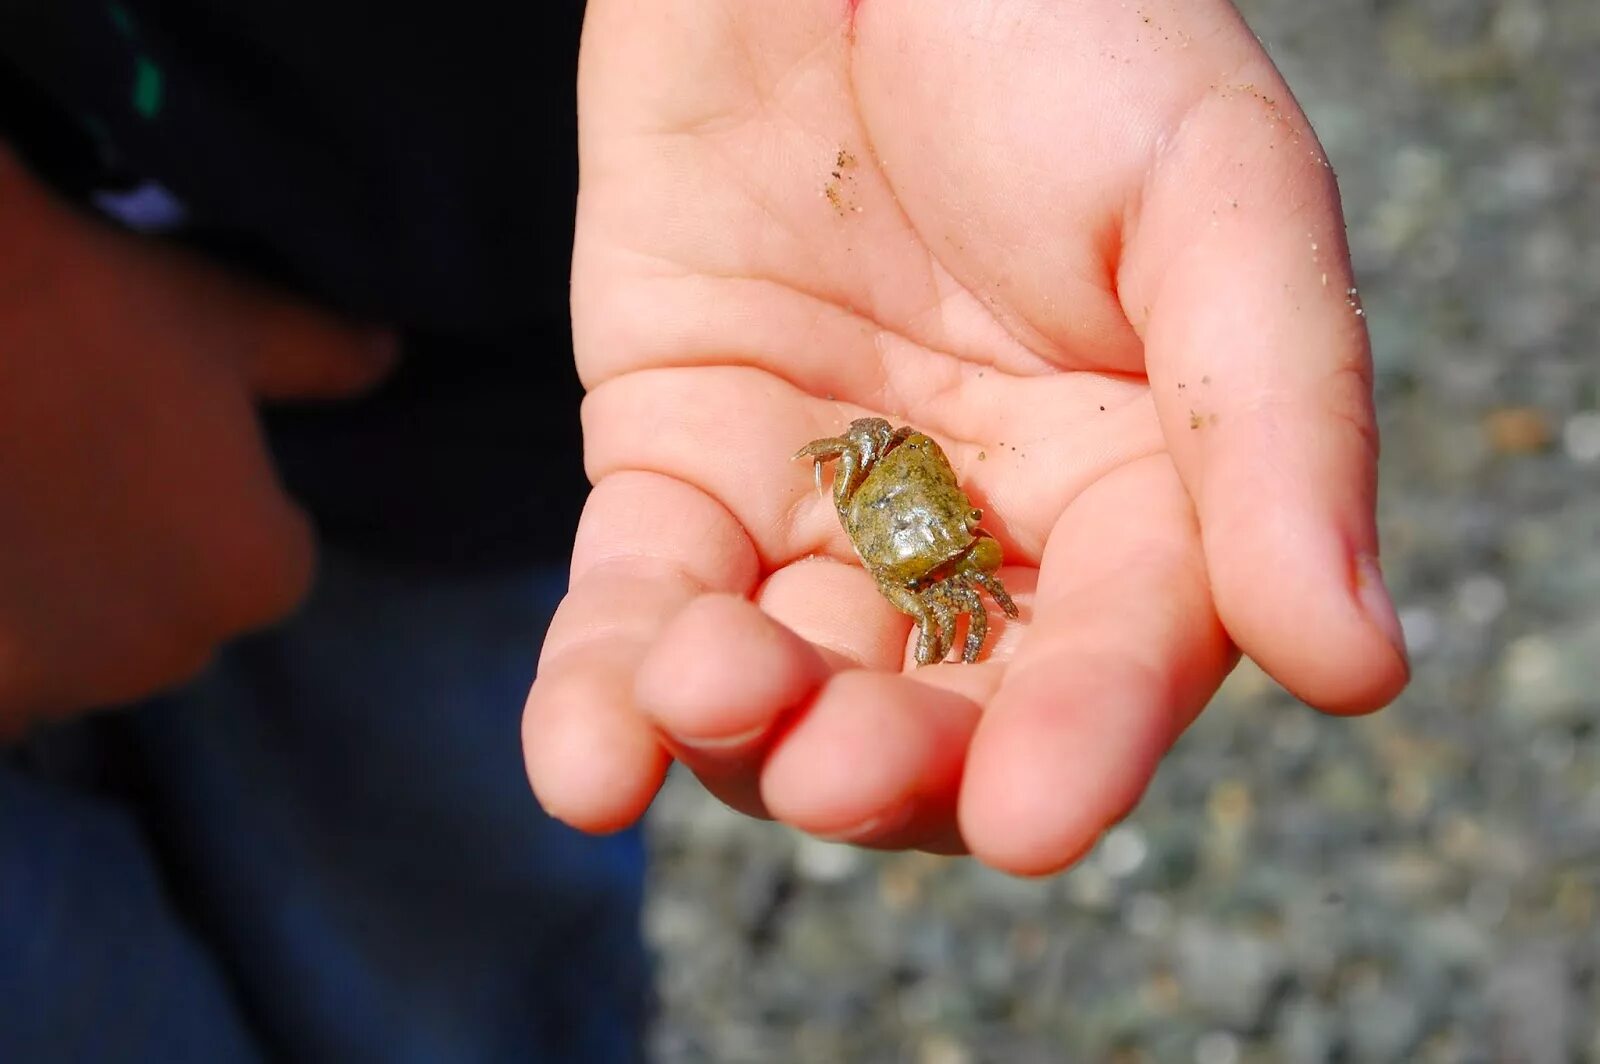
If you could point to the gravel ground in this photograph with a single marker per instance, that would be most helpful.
(1416, 886)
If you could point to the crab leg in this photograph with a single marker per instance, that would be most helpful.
(991, 583)
(944, 612)
(958, 596)
(977, 619)
(932, 619)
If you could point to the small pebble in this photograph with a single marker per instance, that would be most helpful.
(1481, 598)
(1122, 851)
(1553, 749)
(1518, 430)
(1089, 886)
(1216, 1047)
(1581, 437)
(1294, 732)
(1488, 901)
(942, 1049)
(825, 862)
(1421, 627)
(1148, 915)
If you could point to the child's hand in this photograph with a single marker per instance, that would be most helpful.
(1097, 252)
(141, 523)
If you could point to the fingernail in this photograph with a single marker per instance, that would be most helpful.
(1374, 597)
(893, 819)
(721, 743)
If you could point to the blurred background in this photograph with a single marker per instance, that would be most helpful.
(1416, 886)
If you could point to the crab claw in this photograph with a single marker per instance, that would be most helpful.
(823, 450)
(819, 451)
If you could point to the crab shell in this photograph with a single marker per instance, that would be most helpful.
(915, 530)
(909, 520)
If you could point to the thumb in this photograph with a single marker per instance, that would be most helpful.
(1258, 356)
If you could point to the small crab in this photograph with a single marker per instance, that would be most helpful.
(915, 530)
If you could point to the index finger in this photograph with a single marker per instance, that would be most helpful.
(647, 546)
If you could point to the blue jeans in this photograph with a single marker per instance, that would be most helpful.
(325, 849)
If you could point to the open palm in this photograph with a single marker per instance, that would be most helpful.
(1096, 252)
